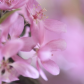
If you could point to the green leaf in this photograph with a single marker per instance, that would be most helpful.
(7, 15)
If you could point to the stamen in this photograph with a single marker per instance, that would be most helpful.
(46, 16)
(44, 9)
(39, 15)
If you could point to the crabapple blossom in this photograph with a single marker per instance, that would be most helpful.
(44, 55)
(39, 22)
(8, 68)
(25, 32)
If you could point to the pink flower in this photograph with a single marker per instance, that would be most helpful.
(18, 66)
(11, 4)
(44, 55)
(39, 23)
(6, 51)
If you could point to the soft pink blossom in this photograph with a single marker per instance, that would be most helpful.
(39, 22)
(45, 53)
(19, 66)
(8, 50)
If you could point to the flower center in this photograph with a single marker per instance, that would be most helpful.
(5, 65)
(39, 15)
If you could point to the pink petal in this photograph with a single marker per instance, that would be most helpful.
(29, 60)
(9, 77)
(32, 72)
(37, 31)
(44, 54)
(51, 67)
(16, 58)
(54, 25)
(3, 6)
(12, 47)
(41, 72)
(1, 56)
(17, 28)
(34, 31)
(41, 31)
(25, 69)
(55, 44)
(27, 55)
(29, 43)
(20, 3)
(33, 4)
(5, 27)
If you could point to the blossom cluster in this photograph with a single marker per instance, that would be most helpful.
(22, 28)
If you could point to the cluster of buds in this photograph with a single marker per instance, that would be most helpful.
(22, 29)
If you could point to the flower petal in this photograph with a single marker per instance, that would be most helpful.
(20, 3)
(17, 28)
(51, 67)
(44, 54)
(37, 31)
(29, 43)
(34, 31)
(3, 6)
(55, 44)
(41, 31)
(25, 69)
(41, 72)
(12, 47)
(54, 25)
(33, 4)
(32, 72)
(16, 58)
(1, 56)
(5, 26)
(27, 55)
(6, 77)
